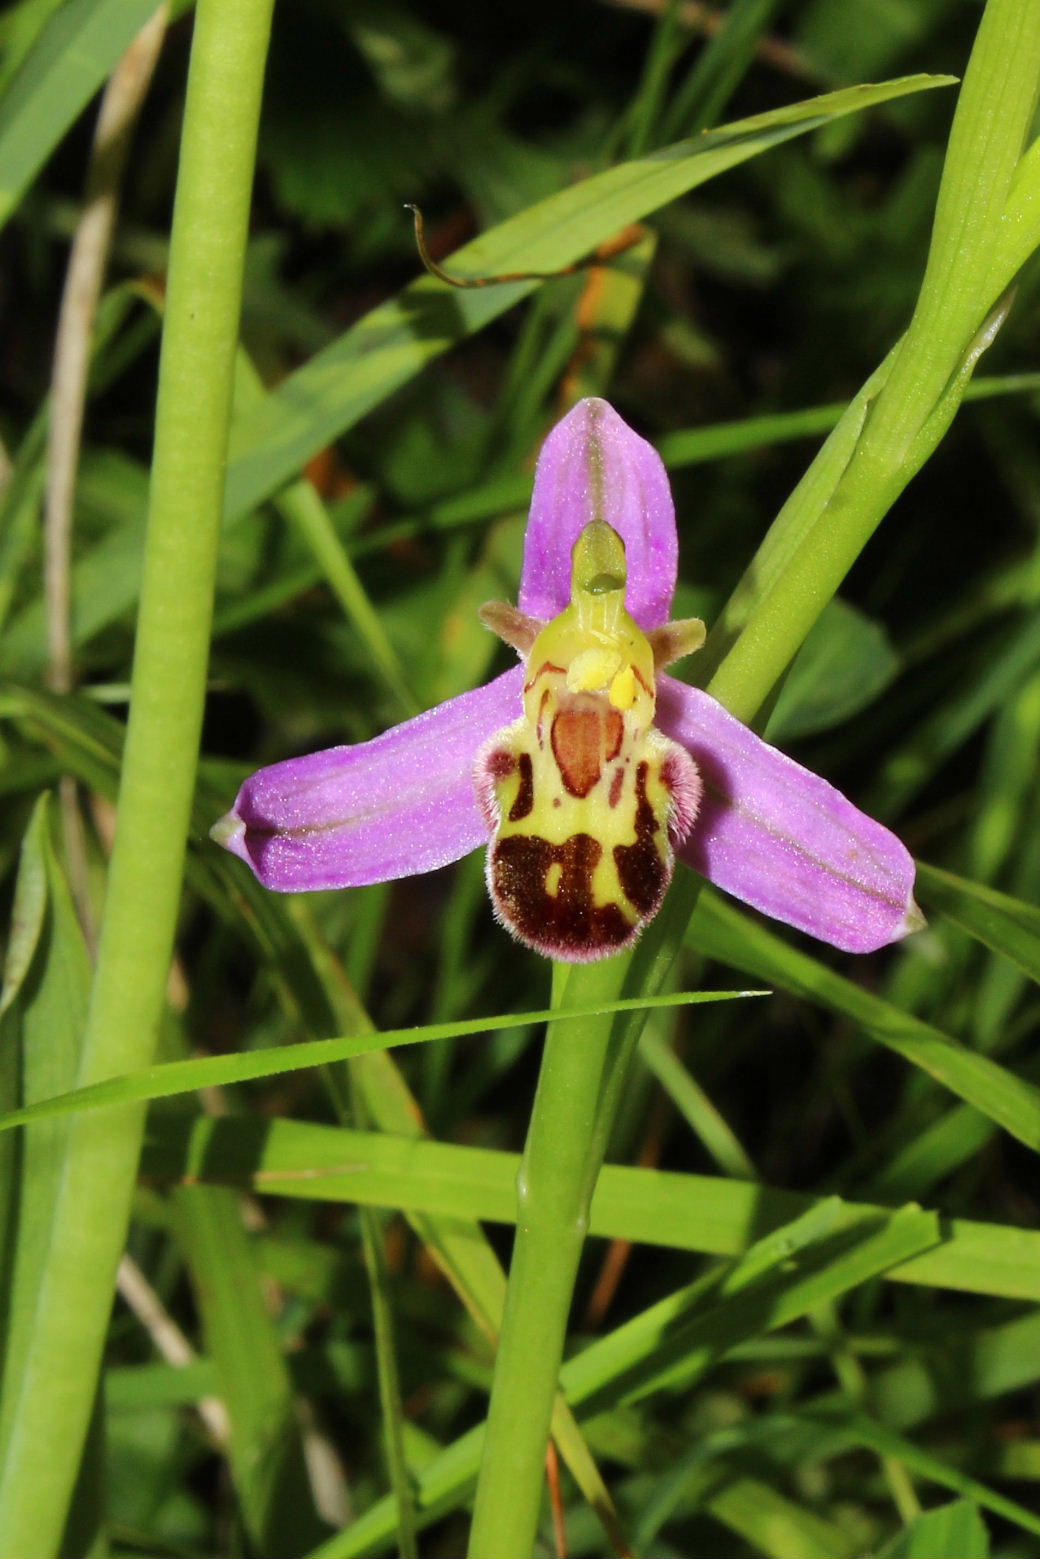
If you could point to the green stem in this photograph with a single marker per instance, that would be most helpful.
(909, 403)
(49, 1391)
(566, 1141)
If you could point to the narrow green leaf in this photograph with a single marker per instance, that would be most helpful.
(42, 1028)
(302, 506)
(160, 1082)
(782, 1277)
(677, 1340)
(1005, 924)
(694, 446)
(862, 1430)
(724, 932)
(393, 342)
(266, 1450)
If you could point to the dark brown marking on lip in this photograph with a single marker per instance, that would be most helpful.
(524, 803)
(567, 922)
(641, 871)
(643, 683)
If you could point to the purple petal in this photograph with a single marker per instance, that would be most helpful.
(781, 838)
(402, 803)
(592, 466)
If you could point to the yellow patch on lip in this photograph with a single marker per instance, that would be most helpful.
(553, 878)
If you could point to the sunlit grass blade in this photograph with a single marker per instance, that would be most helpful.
(710, 1214)
(174, 1077)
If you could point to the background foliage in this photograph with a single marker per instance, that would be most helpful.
(767, 1359)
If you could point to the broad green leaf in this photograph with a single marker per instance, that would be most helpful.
(702, 1213)
(845, 662)
(1005, 924)
(393, 342)
(78, 47)
(939, 1534)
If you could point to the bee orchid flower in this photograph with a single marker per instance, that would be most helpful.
(586, 770)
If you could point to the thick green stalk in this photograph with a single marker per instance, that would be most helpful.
(565, 1144)
(912, 399)
(49, 1391)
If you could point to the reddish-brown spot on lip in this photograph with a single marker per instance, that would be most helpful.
(585, 734)
(616, 786)
(547, 665)
(540, 728)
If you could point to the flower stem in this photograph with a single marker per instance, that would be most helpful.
(566, 1141)
(50, 1383)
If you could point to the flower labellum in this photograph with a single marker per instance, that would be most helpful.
(590, 768)
(583, 797)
